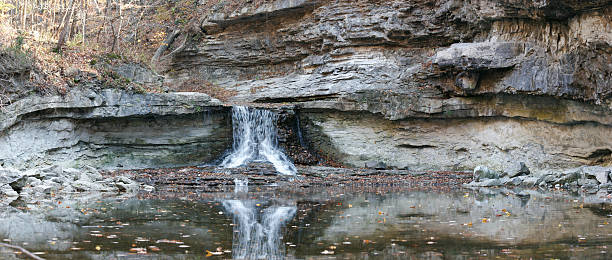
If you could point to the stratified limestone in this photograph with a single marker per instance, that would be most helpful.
(112, 128)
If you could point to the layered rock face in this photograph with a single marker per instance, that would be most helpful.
(114, 129)
(422, 84)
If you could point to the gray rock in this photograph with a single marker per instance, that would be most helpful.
(590, 188)
(44, 189)
(468, 81)
(491, 183)
(8, 176)
(601, 174)
(138, 74)
(506, 180)
(516, 169)
(93, 173)
(67, 129)
(605, 186)
(31, 181)
(530, 181)
(52, 171)
(482, 173)
(567, 177)
(124, 187)
(81, 186)
(583, 182)
(6, 190)
(148, 188)
(375, 165)
(516, 181)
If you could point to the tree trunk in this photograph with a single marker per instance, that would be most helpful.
(66, 22)
(84, 7)
(165, 45)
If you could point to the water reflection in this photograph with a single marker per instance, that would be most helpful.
(309, 223)
(257, 230)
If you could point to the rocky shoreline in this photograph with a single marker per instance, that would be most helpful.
(56, 179)
(588, 179)
(38, 183)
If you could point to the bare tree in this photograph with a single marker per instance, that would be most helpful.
(66, 23)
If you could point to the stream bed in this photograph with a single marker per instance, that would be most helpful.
(314, 222)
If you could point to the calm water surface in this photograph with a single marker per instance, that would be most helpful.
(311, 223)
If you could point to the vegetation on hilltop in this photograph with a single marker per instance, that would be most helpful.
(50, 46)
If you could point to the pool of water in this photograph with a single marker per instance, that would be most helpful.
(373, 222)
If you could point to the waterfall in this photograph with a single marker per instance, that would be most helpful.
(255, 139)
(258, 238)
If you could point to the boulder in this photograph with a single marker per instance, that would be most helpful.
(530, 181)
(6, 190)
(8, 176)
(148, 188)
(81, 186)
(601, 174)
(515, 181)
(516, 169)
(375, 165)
(482, 173)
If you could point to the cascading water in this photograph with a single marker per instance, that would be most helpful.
(257, 233)
(255, 139)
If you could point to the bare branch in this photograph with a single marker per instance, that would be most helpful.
(23, 250)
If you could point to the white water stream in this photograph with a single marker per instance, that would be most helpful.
(255, 140)
(257, 231)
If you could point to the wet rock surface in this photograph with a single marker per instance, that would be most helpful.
(38, 183)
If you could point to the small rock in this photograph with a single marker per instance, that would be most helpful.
(94, 173)
(72, 72)
(467, 80)
(491, 183)
(54, 170)
(601, 174)
(482, 173)
(587, 182)
(375, 165)
(44, 189)
(516, 169)
(591, 188)
(516, 181)
(6, 190)
(89, 186)
(124, 187)
(505, 180)
(148, 188)
(68, 189)
(8, 176)
(605, 186)
(33, 181)
(530, 181)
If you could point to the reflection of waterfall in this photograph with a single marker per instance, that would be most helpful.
(257, 233)
(255, 139)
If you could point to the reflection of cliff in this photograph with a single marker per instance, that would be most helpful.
(257, 230)
(507, 219)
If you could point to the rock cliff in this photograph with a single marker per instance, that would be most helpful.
(417, 84)
(114, 129)
(421, 84)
